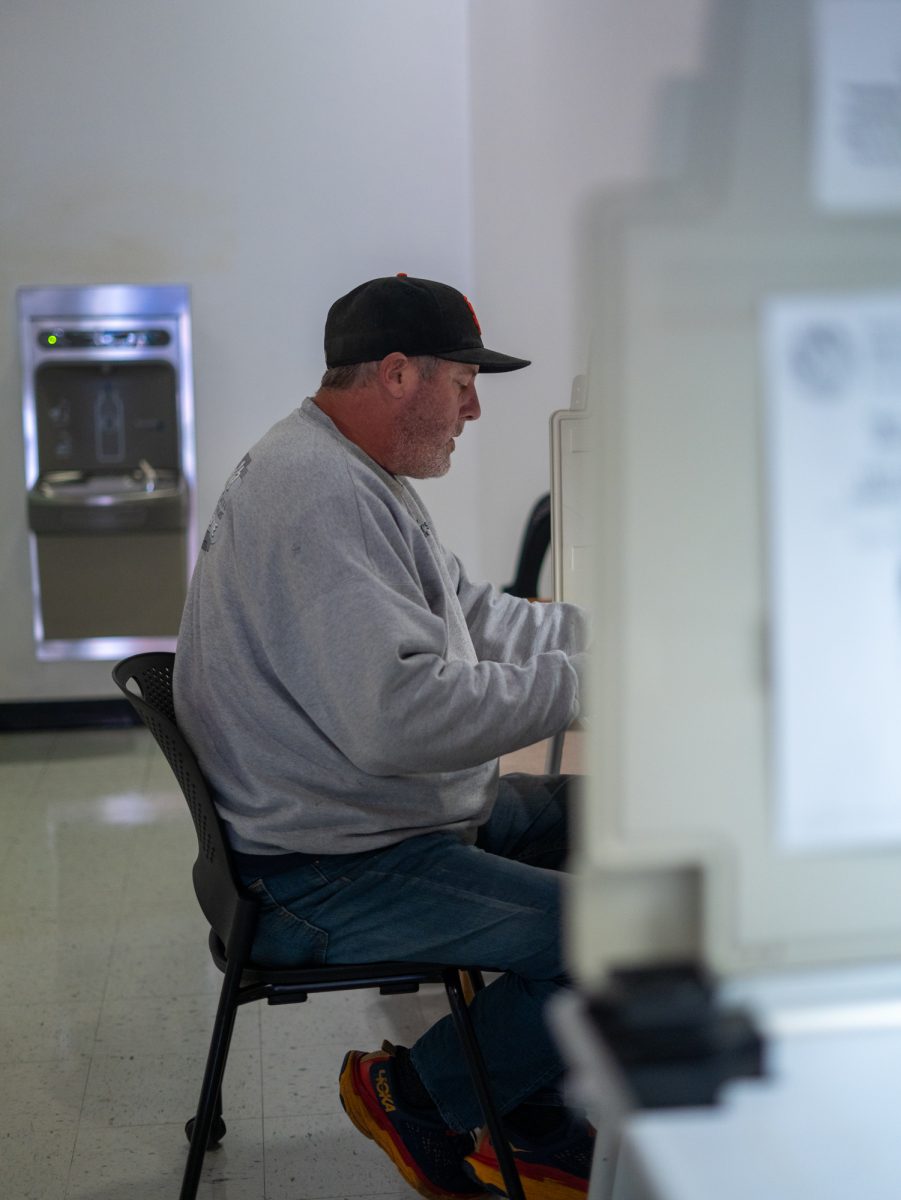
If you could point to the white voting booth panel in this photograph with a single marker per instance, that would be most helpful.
(744, 470)
(732, 487)
(572, 500)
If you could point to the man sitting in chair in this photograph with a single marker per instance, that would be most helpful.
(348, 690)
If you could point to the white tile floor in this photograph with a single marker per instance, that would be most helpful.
(107, 996)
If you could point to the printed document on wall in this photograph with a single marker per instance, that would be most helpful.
(856, 150)
(832, 372)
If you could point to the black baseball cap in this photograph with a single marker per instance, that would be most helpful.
(414, 316)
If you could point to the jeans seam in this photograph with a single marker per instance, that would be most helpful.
(287, 917)
(450, 890)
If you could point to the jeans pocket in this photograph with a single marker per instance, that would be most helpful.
(283, 938)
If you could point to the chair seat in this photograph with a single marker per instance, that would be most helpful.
(342, 974)
(331, 976)
(389, 977)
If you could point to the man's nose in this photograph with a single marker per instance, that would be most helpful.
(471, 410)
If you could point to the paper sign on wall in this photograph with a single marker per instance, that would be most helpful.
(833, 381)
(857, 105)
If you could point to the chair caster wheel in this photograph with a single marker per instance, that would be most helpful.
(217, 1132)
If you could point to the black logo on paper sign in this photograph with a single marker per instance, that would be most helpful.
(823, 360)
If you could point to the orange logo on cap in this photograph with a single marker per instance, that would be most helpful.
(474, 317)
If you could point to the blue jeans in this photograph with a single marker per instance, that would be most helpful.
(433, 898)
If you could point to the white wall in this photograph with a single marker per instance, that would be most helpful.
(275, 153)
(270, 153)
(566, 102)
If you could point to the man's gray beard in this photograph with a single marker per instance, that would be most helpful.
(428, 470)
(426, 464)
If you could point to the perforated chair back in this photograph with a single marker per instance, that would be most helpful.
(231, 915)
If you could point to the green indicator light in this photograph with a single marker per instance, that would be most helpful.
(51, 339)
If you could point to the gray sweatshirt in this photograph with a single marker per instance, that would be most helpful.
(342, 682)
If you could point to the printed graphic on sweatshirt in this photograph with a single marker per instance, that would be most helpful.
(235, 478)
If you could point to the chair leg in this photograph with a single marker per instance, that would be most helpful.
(472, 982)
(463, 1021)
(209, 1106)
(555, 753)
(218, 1129)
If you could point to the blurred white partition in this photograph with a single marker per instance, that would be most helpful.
(707, 831)
(572, 499)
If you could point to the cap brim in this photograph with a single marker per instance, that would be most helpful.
(487, 361)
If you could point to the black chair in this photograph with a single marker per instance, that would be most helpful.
(536, 539)
(232, 915)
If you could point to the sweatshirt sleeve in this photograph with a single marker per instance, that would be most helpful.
(510, 629)
(377, 676)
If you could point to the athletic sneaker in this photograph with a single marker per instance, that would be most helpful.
(427, 1152)
(553, 1167)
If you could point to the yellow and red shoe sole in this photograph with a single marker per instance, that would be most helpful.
(539, 1181)
(374, 1124)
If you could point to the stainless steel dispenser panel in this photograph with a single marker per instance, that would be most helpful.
(76, 502)
(108, 415)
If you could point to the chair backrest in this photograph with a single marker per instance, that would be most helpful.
(536, 539)
(231, 913)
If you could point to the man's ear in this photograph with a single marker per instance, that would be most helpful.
(396, 374)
